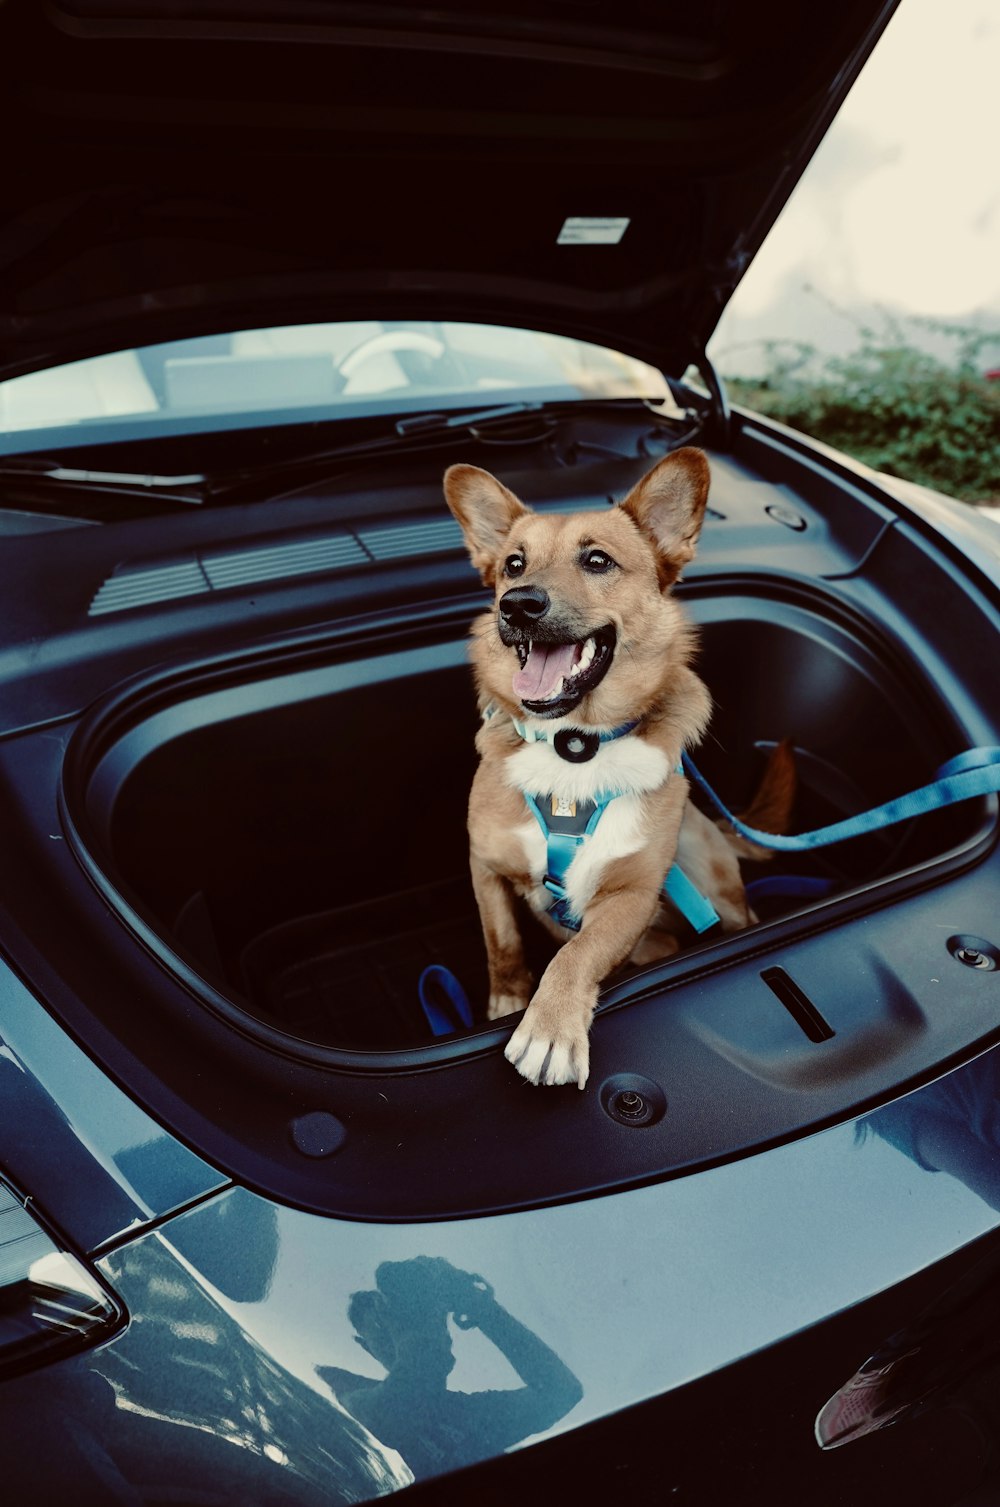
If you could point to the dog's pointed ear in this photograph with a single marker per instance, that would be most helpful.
(486, 512)
(668, 506)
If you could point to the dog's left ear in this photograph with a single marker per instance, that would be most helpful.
(486, 511)
(668, 506)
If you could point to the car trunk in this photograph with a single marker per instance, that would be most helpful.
(299, 835)
(235, 790)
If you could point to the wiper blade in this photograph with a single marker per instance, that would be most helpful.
(421, 432)
(46, 479)
(36, 472)
(45, 476)
(441, 423)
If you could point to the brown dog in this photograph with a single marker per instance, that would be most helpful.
(588, 699)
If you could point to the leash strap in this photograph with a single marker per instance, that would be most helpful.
(692, 904)
(970, 774)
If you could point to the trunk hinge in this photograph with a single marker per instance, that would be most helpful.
(720, 418)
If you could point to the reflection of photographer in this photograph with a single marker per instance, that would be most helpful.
(403, 1324)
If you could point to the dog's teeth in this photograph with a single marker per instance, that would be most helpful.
(586, 656)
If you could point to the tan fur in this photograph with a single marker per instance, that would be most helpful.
(649, 538)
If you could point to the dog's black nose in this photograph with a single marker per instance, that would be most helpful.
(523, 605)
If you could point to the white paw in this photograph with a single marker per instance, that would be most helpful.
(542, 1057)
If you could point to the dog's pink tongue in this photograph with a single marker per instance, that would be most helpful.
(545, 670)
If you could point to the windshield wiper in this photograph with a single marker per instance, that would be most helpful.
(422, 432)
(441, 423)
(34, 474)
(516, 424)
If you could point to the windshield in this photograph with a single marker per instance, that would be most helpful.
(250, 378)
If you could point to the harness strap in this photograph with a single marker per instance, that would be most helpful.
(563, 846)
(973, 773)
(565, 830)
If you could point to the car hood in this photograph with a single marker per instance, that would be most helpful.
(173, 169)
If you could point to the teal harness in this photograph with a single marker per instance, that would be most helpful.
(566, 826)
(566, 831)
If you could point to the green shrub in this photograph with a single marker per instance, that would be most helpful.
(893, 405)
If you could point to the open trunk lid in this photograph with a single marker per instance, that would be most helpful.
(181, 169)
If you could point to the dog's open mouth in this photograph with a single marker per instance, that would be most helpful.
(553, 678)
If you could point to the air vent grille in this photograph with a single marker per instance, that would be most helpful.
(139, 585)
(135, 585)
(411, 539)
(245, 567)
(146, 585)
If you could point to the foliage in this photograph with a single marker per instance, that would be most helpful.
(892, 405)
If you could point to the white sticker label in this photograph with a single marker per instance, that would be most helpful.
(581, 230)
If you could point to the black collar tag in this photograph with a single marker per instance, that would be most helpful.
(576, 746)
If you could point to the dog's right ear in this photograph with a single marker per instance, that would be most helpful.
(486, 512)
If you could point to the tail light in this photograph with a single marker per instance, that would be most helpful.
(50, 1303)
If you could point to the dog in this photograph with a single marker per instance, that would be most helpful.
(584, 679)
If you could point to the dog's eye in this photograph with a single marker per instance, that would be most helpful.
(596, 560)
(513, 565)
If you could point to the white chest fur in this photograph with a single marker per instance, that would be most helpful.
(627, 768)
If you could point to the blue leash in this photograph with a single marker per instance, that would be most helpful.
(963, 778)
(976, 772)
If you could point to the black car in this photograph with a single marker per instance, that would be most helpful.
(274, 1227)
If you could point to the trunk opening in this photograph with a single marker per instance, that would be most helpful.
(298, 837)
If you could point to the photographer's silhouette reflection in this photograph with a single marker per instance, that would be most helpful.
(403, 1324)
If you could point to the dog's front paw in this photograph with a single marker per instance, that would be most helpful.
(550, 1052)
(505, 1004)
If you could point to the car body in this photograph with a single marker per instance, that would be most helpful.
(267, 1238)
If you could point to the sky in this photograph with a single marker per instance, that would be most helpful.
(900, 207)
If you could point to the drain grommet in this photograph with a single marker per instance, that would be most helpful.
(974, 952)
(633, 1100)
